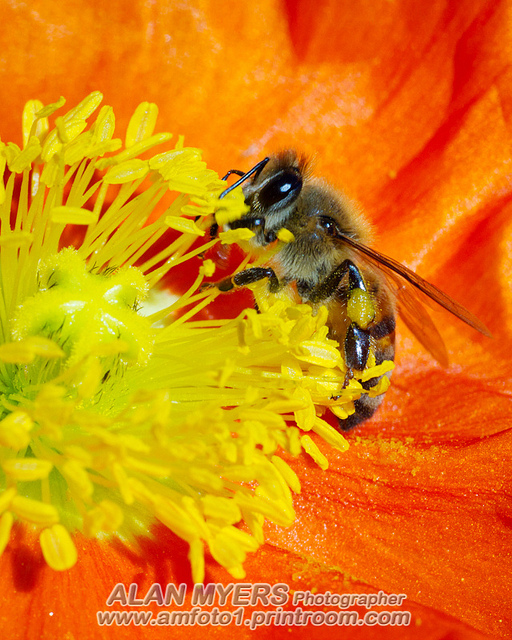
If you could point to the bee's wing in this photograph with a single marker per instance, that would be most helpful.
(416, 318)
(408, 286)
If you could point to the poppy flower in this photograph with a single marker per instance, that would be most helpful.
(406, 107)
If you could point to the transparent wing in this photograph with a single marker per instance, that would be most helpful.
(417, 319)
(410, 291)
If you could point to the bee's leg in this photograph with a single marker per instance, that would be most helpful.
(357, 347)
(249, 276)
(331, 283)
(213, 234)
(358, 337)
(214, 230)
(378, 337)
(366, 406)
(362, 334)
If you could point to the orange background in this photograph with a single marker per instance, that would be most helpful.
(406, 105)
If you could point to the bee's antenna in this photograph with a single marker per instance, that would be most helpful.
(245, 176)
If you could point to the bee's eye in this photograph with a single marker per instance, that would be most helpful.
(329, 226)
(284, 187)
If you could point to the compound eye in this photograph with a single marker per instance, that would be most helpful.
(282, 188)
(329, 226)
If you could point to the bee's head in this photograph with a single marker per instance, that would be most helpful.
(281, 194)
(272, 193)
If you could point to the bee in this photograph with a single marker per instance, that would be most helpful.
(329, 262)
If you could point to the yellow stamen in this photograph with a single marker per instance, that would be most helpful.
(26, 469)
(34, 511)
(58, 548)
(311, 448)
(5, 530)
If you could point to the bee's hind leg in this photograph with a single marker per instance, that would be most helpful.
(366, 405)
(361, 336)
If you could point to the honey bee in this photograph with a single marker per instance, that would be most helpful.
(330, 263)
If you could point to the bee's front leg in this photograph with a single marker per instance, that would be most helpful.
(249, 276)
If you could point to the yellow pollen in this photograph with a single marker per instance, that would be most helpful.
(235, 235)
(285, 235)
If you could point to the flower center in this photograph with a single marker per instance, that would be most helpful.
(110, 420)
